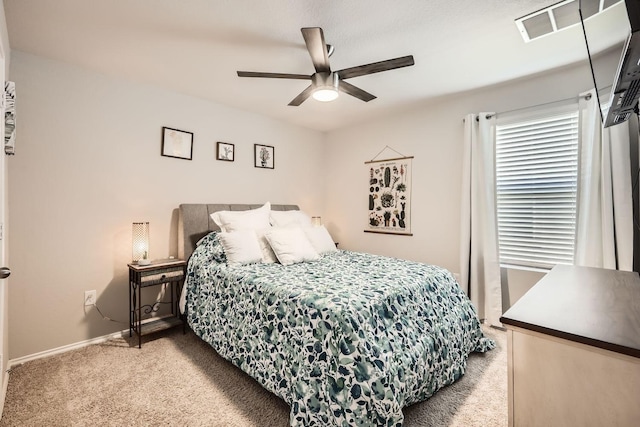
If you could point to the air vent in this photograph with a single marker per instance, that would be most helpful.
(558, 17)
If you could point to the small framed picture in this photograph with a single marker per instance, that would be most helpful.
(177, 143)
(225, 151)
(263, 156)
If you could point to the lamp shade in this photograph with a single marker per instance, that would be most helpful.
(140, 243)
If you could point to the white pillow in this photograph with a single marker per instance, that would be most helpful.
(241, 247)
(291, 245)
(268, 256)
(253, 219)
(320, 239)
(289, 218)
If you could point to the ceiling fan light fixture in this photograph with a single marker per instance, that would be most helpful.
(325, 94)
(326, 86)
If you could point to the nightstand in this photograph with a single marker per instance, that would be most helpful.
(169, 273)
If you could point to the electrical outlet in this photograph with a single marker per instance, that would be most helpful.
(89, 297)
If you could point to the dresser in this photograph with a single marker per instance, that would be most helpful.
(573, 345)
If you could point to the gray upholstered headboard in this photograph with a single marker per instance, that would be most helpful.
(194, 222)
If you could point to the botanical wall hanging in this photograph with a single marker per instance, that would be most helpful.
(9, 117)
(389, 195)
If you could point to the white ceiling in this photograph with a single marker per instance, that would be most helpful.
(196, 47)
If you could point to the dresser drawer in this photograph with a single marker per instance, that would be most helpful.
(165, 275)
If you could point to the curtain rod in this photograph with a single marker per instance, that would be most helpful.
(587, 97)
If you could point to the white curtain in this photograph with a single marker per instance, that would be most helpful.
(604, 232)
(479, 262)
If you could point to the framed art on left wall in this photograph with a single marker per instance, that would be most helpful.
(177, 143)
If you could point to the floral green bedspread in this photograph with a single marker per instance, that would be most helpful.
(348, 340)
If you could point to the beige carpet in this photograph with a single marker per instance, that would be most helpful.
(178, 380)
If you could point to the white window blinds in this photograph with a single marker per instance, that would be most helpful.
(536, 190)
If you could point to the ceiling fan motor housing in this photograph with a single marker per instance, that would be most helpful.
(325, 80)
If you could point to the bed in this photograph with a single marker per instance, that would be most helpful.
(347, 339)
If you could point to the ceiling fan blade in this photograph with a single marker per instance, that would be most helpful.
(376, 67)
(273, 75)
(302, 97)
(355, 91)
(314, 38)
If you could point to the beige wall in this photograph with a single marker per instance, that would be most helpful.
(432, 133)
(516, 283)
(88, 164)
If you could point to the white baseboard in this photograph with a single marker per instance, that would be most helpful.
(65, 348)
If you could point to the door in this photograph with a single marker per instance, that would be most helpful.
(4, 300)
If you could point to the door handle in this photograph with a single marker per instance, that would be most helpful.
(5, 272)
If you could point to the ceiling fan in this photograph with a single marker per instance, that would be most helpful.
(325, 83)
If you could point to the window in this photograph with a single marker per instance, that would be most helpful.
(536, 190)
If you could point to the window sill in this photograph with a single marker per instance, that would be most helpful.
(526, 268)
